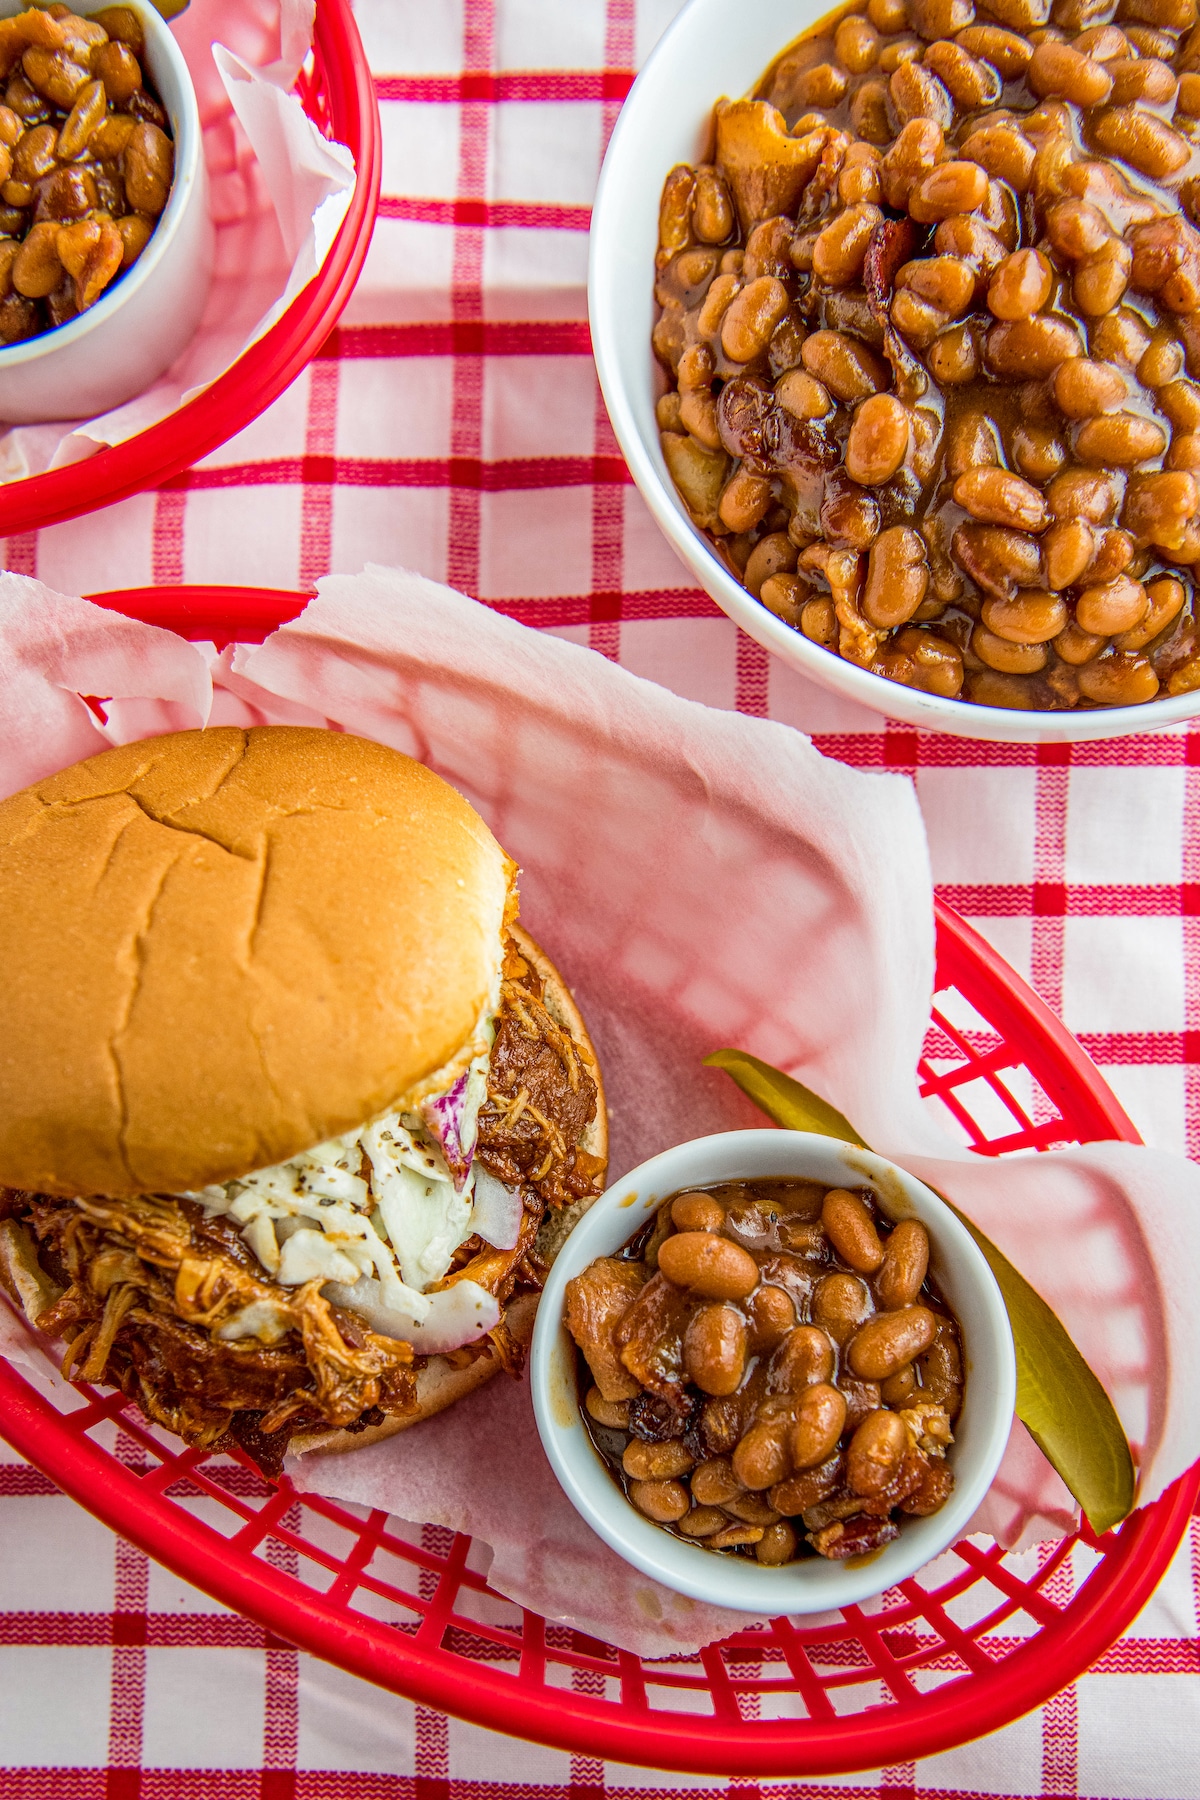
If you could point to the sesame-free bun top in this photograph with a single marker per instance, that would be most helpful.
(221, 947)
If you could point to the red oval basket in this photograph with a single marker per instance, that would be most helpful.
(338, 94)
(969, 1645)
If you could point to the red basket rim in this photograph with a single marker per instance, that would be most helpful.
(1135, 1556)
(260, 374)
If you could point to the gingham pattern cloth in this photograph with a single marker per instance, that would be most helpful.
(453, 424)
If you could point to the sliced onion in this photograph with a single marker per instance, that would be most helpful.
(497, 1213)
(307, 1255)
(457, 1315)
(267, 1320)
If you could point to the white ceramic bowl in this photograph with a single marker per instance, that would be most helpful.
(809, 1585)
(714, 48)
(142, 323)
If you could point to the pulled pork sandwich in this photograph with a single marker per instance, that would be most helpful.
(293, 1115)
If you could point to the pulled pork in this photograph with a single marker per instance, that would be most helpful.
(147, 1284)
(541, 1097)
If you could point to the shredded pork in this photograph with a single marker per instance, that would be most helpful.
(541, 1096)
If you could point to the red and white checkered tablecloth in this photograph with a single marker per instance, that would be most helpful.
(453, 424)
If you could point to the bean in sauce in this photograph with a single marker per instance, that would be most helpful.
(86, 162)
(768, 1370)
(930, 320)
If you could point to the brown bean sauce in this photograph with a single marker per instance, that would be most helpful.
(930, 325)
(768, 1369)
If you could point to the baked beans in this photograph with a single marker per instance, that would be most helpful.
(767, 1356)
(86, 162)
(931, 324)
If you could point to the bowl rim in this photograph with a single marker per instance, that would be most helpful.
(187, 179)
(804, 1587)
(625, 165)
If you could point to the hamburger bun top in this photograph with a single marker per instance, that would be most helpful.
(223, 947)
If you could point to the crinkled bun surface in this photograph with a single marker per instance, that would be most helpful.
(222, 947)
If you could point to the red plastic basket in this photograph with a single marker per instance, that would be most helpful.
(338, 94)
(962, 1649)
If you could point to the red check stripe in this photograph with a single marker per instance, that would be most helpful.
(1060, 899)
(308, 1784)
(462, 337)
(18, 1482)
(496, 215)
(580, 609)
(512, 476)
(524, 85)
(1116, 1047)
(896, 746)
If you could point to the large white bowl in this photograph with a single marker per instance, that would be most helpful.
(714, 48)
(142, 323)
(809, 1585)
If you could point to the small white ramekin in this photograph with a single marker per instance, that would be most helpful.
(715, 48)
(809, 1585)
(146, 318)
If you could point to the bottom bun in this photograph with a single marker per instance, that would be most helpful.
(439, 1383)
